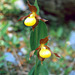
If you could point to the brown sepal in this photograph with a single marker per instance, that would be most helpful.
(31, 53)
(22, 18)
(48, 49)
(38, 17)
(57, 55)
(43, 41)
(52, 52)
(37, 21)
(38, 48)
(32, 8)
(40, 58)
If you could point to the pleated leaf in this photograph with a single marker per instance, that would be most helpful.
(40, 32)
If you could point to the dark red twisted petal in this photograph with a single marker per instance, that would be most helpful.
(32, 8)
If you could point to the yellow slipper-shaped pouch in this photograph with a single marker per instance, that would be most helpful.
(45, 53)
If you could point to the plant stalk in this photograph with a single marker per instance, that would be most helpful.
(36, 64)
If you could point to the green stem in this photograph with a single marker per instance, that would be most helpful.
(35, 73)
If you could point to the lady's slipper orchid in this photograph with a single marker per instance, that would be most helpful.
(32, 19)
(43, 51)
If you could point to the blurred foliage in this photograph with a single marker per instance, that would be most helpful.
(14, 36)
(1, 58)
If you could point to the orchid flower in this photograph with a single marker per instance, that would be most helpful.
(33, 18)
(43, 51)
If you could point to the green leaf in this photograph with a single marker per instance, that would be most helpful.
(12, 1)
(39, 68)
(52, 33)
(1, 42)
(68, 70)
(43, 69)
(59, 32)
(17, 45)
(1, 58)
(32, 71)
(15, 40)
(6, 44)
(3, 31)
(6, 38)
(36, 4)
(39, 33)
